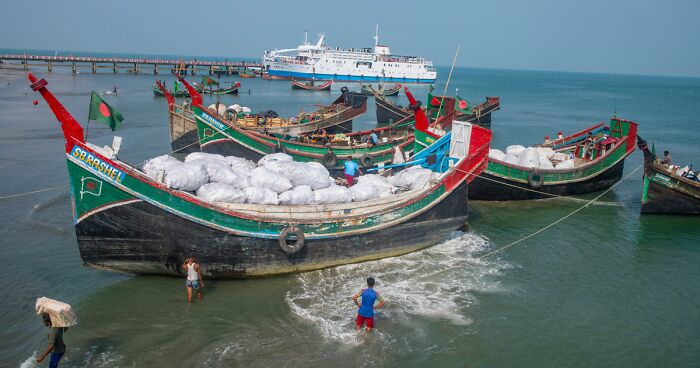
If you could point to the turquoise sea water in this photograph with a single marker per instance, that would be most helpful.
(606, 287)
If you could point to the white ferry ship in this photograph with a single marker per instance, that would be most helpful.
(318, 61)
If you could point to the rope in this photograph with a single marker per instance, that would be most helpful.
(561, 219)
(32, 192)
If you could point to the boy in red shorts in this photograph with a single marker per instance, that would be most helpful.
(365, 313)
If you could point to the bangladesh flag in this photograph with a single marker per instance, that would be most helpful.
(463, 105)
(207, 81)
(100, 111)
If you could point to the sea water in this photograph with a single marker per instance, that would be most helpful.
(605, 287)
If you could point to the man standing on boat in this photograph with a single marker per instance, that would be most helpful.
(351, 169)
(194, 278)
(667, 159)
(365, 313)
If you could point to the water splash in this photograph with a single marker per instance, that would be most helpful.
(30, 362)
(436, 283)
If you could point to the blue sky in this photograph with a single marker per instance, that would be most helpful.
(634, 37)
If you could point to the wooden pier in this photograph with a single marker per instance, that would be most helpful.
(135, 65)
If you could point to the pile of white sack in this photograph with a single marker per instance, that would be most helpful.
(276, 179)
(533, 157)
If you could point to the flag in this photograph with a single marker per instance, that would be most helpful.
(207, 81)
(90, 185)
(463, 105)
(100, 111)
(176, 86)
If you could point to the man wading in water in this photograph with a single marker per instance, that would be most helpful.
(56, 346)
(194, 278)
(365, 313)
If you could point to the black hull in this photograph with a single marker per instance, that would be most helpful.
(229, 147)
(485, 189)
(484, 120)
(387, 114)
(187, 143)
(344, 128)
(141, 238)
(663, 200)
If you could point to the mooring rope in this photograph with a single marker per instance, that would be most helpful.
(32, 192)
(561, 219)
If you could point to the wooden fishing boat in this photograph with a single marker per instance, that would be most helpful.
(312, 85)
(218, 135)
(246, 75)
(129, 222)
(381, 90)
(336, 117)
(594, 169)
(230, 90)
(388, 112)
(665, 192)
(183, 127)
(181, 93)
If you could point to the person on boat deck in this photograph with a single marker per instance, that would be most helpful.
(365, 312)
(589, 145)
(373, 138)
(56, 346)
(667, 158)
(547, 141)
(351, 169)
(560, 136)
(194, 278)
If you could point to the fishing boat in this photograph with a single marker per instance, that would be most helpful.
(381, 90)
(230, 90)
(183, 127)
(312, 85)
(246, 75)
(337, 117)
(175, 93)
(388, 112)
(664, 191)
(597, 165)
(129, 222)
(222, 136)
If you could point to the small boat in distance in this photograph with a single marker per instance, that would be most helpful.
(230, 90)
(312, 85)
(381, 90)
(246, 75)
(179, 91)
(664, 191)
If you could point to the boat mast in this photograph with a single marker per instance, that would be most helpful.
(376, 37)
(306, 37)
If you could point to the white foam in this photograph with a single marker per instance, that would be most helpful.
(30, 362)
(436, 283)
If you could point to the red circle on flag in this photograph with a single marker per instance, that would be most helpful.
(90, 185)
(104, 110)
(462, 104)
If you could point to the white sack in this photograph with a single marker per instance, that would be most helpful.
(275, 157)
(160, 163)
(511, 159)
(559, 156)
(205, 157)
(299, 173)
(61, 314)
(398, 156)
(382, 184)
(568, 164)
(545, 152)
(220, 192)
(544, 163)
(297, 196)
(186, 176)
(529, 158)
(237, 162)
(263, 177)
(412, 178)
(332, 194)
(363, 192)
(515, 149)
(260, 195)
(496, 154)
(220, 172)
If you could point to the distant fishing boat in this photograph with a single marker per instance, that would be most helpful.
(312, 85)
(663, 190)
(230, 90)
(596, 166)
(246, 75)
(388, 111)
(183, 128)
(381, 90)
(129, 222)
(175, 93)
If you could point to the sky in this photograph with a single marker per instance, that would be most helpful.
(628, 37)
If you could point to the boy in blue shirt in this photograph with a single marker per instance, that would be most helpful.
(365, 313)
(350, 169)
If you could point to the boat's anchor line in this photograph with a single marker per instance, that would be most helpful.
(552, 195)
(561, 219)
(32, 192)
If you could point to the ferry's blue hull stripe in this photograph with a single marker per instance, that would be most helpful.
(345, 77)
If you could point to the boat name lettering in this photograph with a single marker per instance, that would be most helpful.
(97, 164)
(213, 121)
